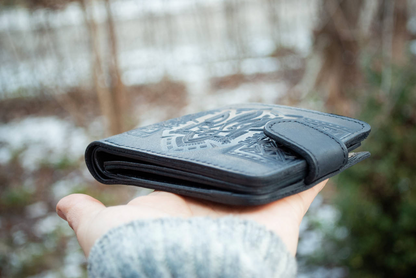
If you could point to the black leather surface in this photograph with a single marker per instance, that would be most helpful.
(226, 155)
(323, 152)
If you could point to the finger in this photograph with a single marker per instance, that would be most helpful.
(301, 202)
(295, 206)
(78, 209)
(309, 195)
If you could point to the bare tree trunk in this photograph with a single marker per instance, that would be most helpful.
(52, 39)
(103, 94)
(234, 25)
(401, 34)
(391, 21)
(338, 43)
(118, 98)
(391, 33)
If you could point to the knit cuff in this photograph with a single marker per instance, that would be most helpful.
(192, 247)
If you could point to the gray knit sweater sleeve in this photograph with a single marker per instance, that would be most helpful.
(194, 247)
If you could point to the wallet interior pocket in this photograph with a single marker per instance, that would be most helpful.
(111, 165)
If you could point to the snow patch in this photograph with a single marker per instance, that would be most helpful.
(40, 140)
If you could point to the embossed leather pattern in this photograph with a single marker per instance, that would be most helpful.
(240, 155)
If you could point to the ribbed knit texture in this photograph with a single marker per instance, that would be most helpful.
(193, 247)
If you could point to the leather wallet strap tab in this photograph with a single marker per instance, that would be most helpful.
(323, 152)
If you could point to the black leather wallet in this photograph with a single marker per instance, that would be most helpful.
(248, 154)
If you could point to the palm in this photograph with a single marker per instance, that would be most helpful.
(90, 219)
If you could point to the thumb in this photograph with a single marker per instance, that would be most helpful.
(309, 195)
(78, 209)
(304, 199)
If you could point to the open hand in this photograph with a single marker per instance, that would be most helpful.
(90, 219)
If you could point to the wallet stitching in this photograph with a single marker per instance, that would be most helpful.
(330, 136)
(228, 168)
(319, 113)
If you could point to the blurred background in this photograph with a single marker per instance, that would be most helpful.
(75, 71)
